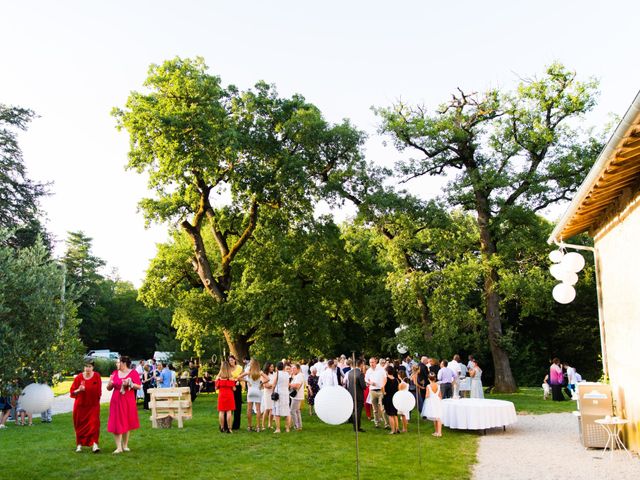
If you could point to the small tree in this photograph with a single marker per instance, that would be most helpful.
(38, 327)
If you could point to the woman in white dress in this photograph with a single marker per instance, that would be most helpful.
(267, 403)
(432, 408)
(476, 380)
(281, 406)
(255, 379)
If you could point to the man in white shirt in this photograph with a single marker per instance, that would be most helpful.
(328, 377)
(457, 369)
(375, 378)
(319, 366)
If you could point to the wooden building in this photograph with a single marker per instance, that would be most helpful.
(607, 207)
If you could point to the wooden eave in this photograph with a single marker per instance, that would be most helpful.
(617, 169)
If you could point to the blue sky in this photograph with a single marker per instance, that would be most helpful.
(72, 61)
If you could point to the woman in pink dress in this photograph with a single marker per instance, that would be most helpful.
(123, 414)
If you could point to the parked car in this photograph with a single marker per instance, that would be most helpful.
(103, 354)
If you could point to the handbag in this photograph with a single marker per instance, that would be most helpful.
(275, 396)
(293, 393)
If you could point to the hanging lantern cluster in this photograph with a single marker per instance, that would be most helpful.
(402, 348)
(565, 268)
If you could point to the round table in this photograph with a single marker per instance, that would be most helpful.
(477, 413)
(612, 426)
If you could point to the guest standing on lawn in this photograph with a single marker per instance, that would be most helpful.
(433, 405)
(267, 403)
(236, 371)
(123, 414)
(255, 379)
(476, 380)
(281, 405)
(556, 379)
(390, 388)
(226, 387)
(86, 389)
(312, 388)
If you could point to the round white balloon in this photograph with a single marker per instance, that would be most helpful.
(402, 348)
(573, 262)
(333, 405)
(558, 271)
(403, 401)
(564, 293)
(36, 398)
(556, 256)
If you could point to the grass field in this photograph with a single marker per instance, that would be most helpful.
(530, 400)
(63, 386)
(200, 451)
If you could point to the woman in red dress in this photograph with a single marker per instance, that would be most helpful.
(86, 389)
(123, 414)
(225, 386)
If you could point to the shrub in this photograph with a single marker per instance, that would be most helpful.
(104, 366)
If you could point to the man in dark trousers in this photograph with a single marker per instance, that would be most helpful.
(193, 379)
(356, 386)
(423, 380)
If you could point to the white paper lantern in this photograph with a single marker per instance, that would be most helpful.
(333, 405)
(570, 278)
(564, 293)
(403, 401)
(556, 256)
(558, 271)
(36, 398)
(573, 262)
(402, 348)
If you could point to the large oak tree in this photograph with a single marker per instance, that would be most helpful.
(508, 154)
(219, 158)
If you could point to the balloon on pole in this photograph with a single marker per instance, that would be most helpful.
(36, 398)
(333, 405)
(404, 401)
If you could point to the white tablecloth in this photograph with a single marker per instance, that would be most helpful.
(477, 413)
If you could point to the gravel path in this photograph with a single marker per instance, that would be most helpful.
(64, 403)
(547, 447)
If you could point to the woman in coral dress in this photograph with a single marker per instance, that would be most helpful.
(86, 389)
(225, 387)
(123, 414)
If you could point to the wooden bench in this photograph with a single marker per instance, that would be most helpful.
(170, 402)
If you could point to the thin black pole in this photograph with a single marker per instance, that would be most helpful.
(356, 427)
(419, 415)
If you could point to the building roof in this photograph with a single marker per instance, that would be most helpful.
(616, 169)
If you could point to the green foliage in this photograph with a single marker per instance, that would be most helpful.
(104, 366)
(514, 154)
(38, 324)
(112, 317)
(19, 195)
(226, 163)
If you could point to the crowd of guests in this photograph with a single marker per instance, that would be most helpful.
(275, 392)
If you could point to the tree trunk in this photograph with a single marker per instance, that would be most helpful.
(504, 381)
(238, 346)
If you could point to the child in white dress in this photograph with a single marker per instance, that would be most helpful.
(432, 408)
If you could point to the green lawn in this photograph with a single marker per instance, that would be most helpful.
(63, 386)
(530, 400)
(201, 451)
